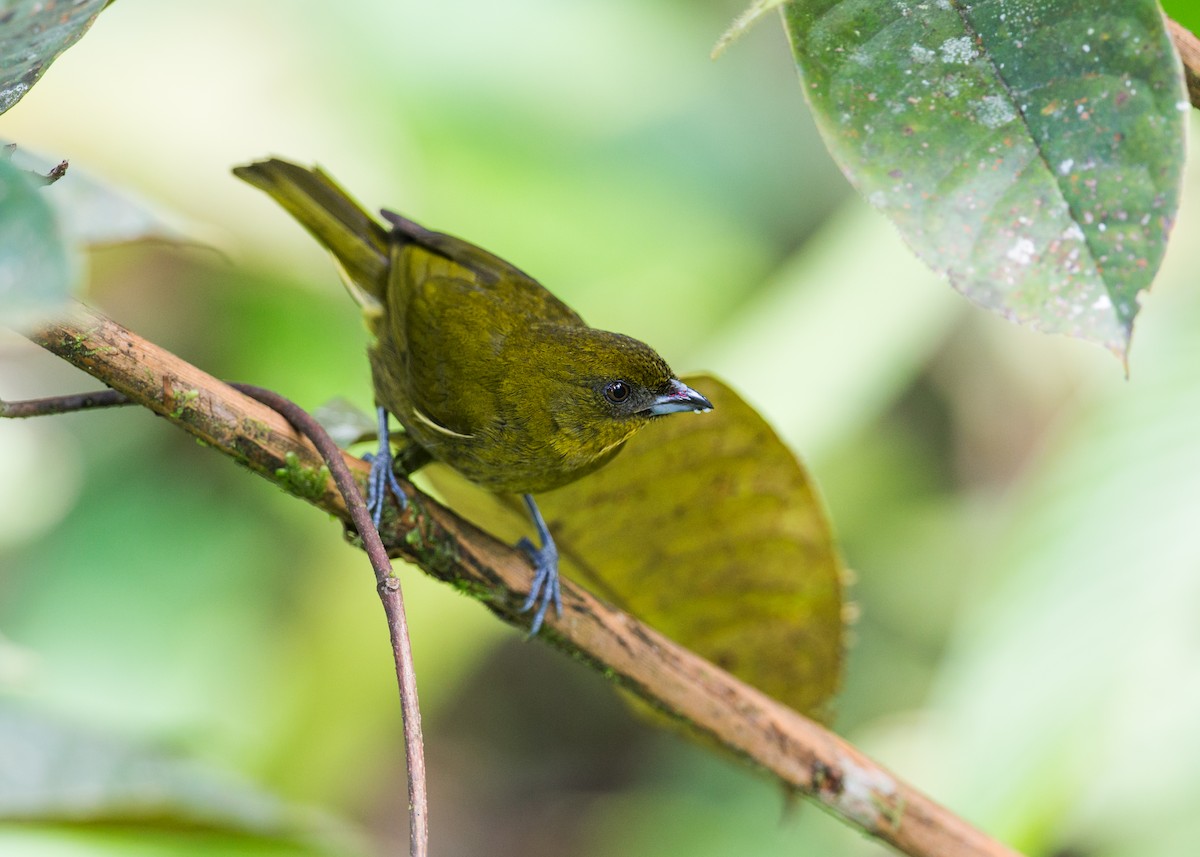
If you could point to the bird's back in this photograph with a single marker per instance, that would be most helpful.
(456, 316)
(427, 255)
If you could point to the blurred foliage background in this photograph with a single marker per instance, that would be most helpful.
(193, 663)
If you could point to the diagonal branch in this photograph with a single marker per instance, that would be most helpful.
(804, 756)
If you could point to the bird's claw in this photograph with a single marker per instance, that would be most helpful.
(380, 479)
(545, 589)
(382, 476)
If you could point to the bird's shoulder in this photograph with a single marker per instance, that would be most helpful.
(508, 290)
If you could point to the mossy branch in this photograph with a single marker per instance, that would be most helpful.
(804, 756)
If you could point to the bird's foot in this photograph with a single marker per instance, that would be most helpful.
(545, 588)
(382, 476)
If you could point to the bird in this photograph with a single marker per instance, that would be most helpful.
(484, 368)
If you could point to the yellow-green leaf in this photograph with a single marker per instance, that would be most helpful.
(708, 528)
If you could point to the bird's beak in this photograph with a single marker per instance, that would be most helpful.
(680, 398)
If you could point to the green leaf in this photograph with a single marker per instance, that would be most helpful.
(32, 35)
(1030, 151)
(707, 528)
(65, 774)
(36, 267)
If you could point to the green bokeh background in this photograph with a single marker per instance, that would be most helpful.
(1022, 518)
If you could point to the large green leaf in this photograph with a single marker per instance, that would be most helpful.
(53, 774)
(1031, 151)
(36, 269)
(707, 528)
(32, 35)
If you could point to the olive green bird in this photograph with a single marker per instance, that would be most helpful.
(485, 369)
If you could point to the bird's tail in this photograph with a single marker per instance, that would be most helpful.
(357, 242)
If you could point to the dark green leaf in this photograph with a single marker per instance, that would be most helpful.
(32, 35)
(1031, 151)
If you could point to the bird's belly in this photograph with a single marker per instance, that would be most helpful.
(506, 465)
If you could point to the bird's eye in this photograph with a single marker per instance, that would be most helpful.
(617, 392)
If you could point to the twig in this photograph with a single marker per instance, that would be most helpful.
(1189, 51)
(388, 586)
(63, 404)
(804, 756)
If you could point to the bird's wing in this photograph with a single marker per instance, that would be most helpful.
(454, 331)
(486, 270)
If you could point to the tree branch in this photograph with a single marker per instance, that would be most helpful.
(1188, 47)
(804, 756)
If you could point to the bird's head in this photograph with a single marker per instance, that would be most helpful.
(631, 383)
(604, 387)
